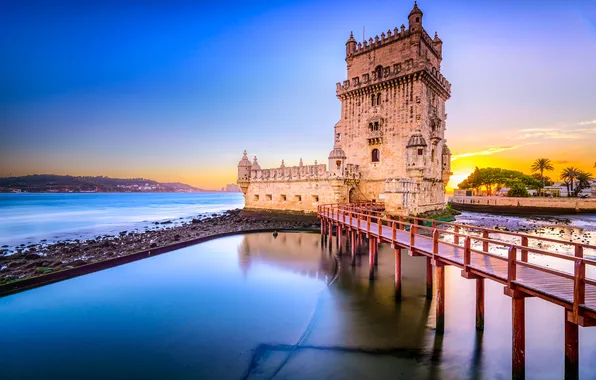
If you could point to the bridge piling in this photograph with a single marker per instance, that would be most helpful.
(571, 349)
(397, 273)
(440, 302)
(519, 337)
(371, 258)
(480, 303)
(353, 246)
(339, 236)
(429, 278)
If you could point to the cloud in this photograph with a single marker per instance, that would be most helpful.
(589, 122)
(488, 151)
(569, 132)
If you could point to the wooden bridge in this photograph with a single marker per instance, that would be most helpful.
(475, 250)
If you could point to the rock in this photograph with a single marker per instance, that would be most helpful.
(195, 221)
(32, 256)
(77, 263)
(153, 245)
(167, 222)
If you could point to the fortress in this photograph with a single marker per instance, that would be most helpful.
(389, 144)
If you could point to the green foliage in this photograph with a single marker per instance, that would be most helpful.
(518, 190)
(576, 180)
(496, 178)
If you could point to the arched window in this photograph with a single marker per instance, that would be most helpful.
(379, 71)
(379, 99)
(375, 155)
(372, 100)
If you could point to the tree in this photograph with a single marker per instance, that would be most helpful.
(583, 182)
(518, 190)
(547, 180)
(495, 178)
(568, 175)
(540, 166)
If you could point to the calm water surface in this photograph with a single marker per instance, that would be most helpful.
(258, 307)
(31, 217)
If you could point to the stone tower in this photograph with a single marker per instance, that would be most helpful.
(389, 144)
(393, 111)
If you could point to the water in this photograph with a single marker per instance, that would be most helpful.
(257, 307)
(28, 218)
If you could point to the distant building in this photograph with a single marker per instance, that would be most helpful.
(389, 144)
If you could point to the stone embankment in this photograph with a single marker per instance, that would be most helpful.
(532, 205)
(37, 259)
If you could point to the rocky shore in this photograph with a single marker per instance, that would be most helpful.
(26, 261)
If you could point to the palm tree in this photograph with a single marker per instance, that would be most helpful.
(541, 165)
(583, 181)
(569, 175)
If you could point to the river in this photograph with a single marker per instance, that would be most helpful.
(256, 306)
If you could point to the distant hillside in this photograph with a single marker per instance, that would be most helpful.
(44, 183)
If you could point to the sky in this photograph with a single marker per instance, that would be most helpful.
(176, 90)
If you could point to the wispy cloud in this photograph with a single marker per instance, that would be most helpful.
(589, 122)
(574, 131)
(488, 151)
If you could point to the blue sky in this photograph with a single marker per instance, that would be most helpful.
(176, 90)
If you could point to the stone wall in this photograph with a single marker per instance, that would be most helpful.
(511, 203)
(289, 195)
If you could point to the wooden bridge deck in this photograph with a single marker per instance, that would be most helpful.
(522, 276)
(548, 286)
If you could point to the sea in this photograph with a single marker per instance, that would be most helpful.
(31, 218)
(259, 306)
(34, 218)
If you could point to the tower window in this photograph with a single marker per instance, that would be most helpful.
(420, 151)
(379, 71)
(298, 198)
(417, 19)
(338, 137)
(375, 155)
(315, 198)
(379, 99)
(372, 100)
(256, 197)
(283, 197)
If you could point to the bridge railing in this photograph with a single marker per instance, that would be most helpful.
(569, 266)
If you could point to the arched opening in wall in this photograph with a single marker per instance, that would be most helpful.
(379, 71)
(432, 155)
(375, 155)
(352, 195)
(373, 100)
(379, 99)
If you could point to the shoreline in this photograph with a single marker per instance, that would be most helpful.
(37, 260)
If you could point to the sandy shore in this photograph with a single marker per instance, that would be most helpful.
(35, 259)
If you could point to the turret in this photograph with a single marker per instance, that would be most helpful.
(244, 167)
(350, 45)
(446, 167)
(415, 19)
(416, 156)
(438, 44)
(337, 162)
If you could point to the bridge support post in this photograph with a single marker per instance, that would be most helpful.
(397, 274)
(519, 337)
(339, 234)
(429, 278)
(480, 303)
(571, 349)
(371, 257)
(440, 302)
(330, 239)
(353, 246)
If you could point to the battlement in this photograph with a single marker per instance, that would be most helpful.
(385, 39)
(290, 173)
(397, 71)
